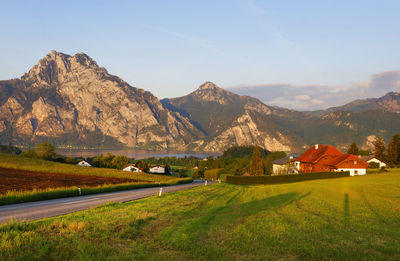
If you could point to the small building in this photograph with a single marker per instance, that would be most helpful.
(284, 166)
(326, 158)
(132, 169)
(83, 163)
(157, 169)
(372, 159)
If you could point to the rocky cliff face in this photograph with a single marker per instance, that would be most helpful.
(71, 95)
(230, 119)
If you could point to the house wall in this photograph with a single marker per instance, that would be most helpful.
(279, 169)
(354, 172)
(283, 169)
(157, 170)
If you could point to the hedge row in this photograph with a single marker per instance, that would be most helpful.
(249, 180)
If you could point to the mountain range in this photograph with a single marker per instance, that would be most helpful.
(72, 102)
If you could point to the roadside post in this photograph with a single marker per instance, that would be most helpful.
(205, 184)
(79, 191)
(161, 191)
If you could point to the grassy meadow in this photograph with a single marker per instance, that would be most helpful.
(23, 163)
(352, 218)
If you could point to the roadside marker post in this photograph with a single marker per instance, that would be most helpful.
(161, 191)
(205, 184)
(79, 191)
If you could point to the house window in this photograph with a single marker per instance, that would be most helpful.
(356, 172)
(355, 162)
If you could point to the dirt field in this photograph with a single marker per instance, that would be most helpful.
(21, 180)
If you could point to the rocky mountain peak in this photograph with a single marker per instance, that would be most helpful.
(55, 64)
(208, 86)
(210, 92)
(390, 102)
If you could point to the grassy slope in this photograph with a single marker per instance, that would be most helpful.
(17, 162)
(346, 218)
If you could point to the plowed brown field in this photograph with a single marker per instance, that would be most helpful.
(22, 180)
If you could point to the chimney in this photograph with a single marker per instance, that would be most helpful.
(316, 146)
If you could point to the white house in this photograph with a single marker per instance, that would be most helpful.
(372, 159)
(284, 166)
(132, 169)
(157, 169)
(83, 163)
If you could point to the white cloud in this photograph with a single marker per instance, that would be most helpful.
(314, 97)
(302, 97)
(317, 102)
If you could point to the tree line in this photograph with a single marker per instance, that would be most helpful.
(389, 153)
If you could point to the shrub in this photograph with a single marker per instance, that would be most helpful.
(374, 165)
(29, 153)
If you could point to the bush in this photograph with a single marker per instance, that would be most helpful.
(10, 149)
(249, 180)
(29, 153)
(374, 165)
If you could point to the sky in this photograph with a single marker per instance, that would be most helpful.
(302, 55)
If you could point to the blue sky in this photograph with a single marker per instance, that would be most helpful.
(280, 51)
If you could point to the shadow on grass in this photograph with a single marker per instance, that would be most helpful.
(346, 210)
(278, 201)
(198, 227)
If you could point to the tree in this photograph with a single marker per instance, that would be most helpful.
(256, 165)
(393, 150)
(45, 150)
(380, 148)
(167, 170)
(353, 149)
(119, 162)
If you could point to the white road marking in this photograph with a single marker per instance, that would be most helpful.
(79, 201)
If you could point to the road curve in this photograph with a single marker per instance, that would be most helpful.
(55, 207)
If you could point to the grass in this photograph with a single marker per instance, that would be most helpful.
(13, 197)
(22, 163)
(18, 162)
(353, 218)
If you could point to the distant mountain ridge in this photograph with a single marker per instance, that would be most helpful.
(71, 101)
(389, 102)
(229, 119)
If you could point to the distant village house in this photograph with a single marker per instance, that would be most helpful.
(132, 169)
(83, 163)
(372, 159)
(326, 158)
(157, 169)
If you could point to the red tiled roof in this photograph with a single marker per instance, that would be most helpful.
(337, 160)
(312, 155)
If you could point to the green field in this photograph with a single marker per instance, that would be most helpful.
(353, 218)
(18, 162)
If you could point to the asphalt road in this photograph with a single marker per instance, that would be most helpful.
(49, 208)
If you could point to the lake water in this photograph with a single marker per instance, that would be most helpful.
(130, 153)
